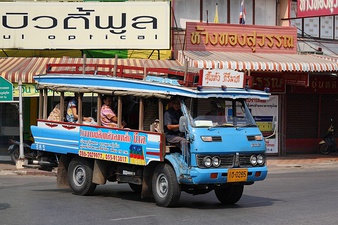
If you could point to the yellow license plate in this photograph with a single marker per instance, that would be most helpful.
(237, 175)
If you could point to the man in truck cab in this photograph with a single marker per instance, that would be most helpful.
(171, 125)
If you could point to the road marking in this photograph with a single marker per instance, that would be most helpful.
(131, 218)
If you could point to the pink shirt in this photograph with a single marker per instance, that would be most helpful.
(106, 116)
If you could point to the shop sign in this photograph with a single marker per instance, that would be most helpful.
(275, 82)
(223, 77)
(299, 79)
(29, 90)
(85, 25)
(6, 90)
(320, 84)
(240, 38)
(306, 8)
(265, 113)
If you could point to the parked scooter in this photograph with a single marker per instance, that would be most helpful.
(36, 159)
(328, 144)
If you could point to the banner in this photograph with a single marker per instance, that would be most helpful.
(85, 25)
(265, 113)
(238, 38)
(314, 8)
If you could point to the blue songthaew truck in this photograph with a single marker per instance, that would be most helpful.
(224, 149)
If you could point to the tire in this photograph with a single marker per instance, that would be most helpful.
(80, 176)
(229, 194)
(136, 188)
(166, 190)
(324, 149)
(15, 154)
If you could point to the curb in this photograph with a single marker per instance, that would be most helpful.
(28, 172)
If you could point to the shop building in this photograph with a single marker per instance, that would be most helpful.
(305, 85)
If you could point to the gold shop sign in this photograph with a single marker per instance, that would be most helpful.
(240, 38)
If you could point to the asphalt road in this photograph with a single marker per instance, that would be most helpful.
(291, 196)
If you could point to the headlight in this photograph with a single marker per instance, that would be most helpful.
(216, 161)
(253, 160)
(258, 137)
(206, 138)
(260, 160)
(207, 161)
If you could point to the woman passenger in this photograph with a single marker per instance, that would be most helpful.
(107, 116)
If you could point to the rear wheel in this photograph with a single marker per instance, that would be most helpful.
(166, 189)
(229, 194)
(324, 149)
(80, 175)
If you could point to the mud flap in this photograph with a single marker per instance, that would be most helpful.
(62, 174)
(100, 172)
(146, 181)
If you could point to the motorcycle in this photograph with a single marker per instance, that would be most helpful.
(36, 159)
(328, 144)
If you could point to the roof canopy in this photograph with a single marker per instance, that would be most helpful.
(258, 61)
(13, 68)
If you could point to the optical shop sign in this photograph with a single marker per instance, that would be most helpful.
(85, 25)
(266, 117)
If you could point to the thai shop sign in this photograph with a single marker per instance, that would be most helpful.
(314, 8)
(29, 90)
(239, 38)
(223, 77)
(6, 90)
(277, 81)
(85, 25)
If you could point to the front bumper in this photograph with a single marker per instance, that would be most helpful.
(220, 176)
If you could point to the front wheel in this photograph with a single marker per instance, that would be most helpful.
(229, 194)
(324, 149)
(166, 189)
(80, 175)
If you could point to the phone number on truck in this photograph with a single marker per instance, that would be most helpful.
(103, 156)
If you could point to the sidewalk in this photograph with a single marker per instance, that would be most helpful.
(274, 163)
(303, 161)
(6, 168)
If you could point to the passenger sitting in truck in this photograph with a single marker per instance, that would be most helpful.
(71, 115)
(107, 116)
(171, 125)
(55, 114)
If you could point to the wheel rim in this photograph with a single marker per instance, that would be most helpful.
(162, 185)
(79, 176)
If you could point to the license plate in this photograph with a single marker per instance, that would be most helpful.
(237, 175)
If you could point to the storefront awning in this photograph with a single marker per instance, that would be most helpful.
(13, 68)
(258, 61)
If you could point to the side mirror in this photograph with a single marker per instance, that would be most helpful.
(183, 124)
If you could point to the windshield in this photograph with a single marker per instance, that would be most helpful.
(215, 112)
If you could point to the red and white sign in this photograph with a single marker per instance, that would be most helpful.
(311, 8)
(219, 77)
